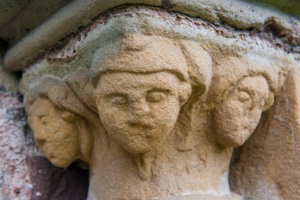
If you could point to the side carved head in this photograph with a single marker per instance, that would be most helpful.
(237, 115)
(60, 122)
(141, 82)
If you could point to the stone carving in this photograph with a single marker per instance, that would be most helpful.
(139, 93)
(269, 155)
(139, 117)
(155, 102)
(63, 128)
(157, 99)
(237, 116)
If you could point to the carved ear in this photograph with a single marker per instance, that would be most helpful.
(81, 85)
(68, 116)
(199, 64)
(86, 141)
(184, 93)
(269, 101)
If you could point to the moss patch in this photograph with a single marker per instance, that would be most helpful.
(291, 7)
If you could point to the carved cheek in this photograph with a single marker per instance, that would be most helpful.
(40, 134)
(112, 117)
(253, 118)
(235, 119)
(166, 112)
(231, 123)
(230, 111)
(243, 116)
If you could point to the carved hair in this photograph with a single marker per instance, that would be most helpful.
(62, 97)
(186, 59)
(233, 69)
(60, 94)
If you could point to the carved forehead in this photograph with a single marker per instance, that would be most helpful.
(41, 103)
(57, 92)
(140, 54)
(126, 81)
(254, 85)
(237, 72)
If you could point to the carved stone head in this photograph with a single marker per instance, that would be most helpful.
(140, 83)
(236, 117)
(61, 123)
(243, 93)
(54, 132)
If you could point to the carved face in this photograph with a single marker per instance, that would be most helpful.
(238, 115)
(54, 132)
(138, 110)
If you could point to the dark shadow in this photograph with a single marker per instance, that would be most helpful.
(52, 183)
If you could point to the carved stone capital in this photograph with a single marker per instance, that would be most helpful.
(153, 101)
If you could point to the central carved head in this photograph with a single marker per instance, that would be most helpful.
(140, 86)
(139, 110)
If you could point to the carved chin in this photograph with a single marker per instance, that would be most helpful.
(234, 138)
(137, 144)
(141, 142)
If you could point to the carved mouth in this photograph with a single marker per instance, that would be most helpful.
(145, 132)
(141, 126)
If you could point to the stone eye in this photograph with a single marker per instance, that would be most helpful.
(119, 100)
(244, 96)
(156, 96)
(68, 116)
(43, 119)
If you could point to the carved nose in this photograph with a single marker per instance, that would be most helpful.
(140, 108)
(139, 111)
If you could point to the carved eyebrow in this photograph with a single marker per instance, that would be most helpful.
(245, 89)
(113, 94)
(160, 90)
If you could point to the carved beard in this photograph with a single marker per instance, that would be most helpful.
(144, 164)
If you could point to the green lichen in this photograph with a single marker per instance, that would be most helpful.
(291, 7)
